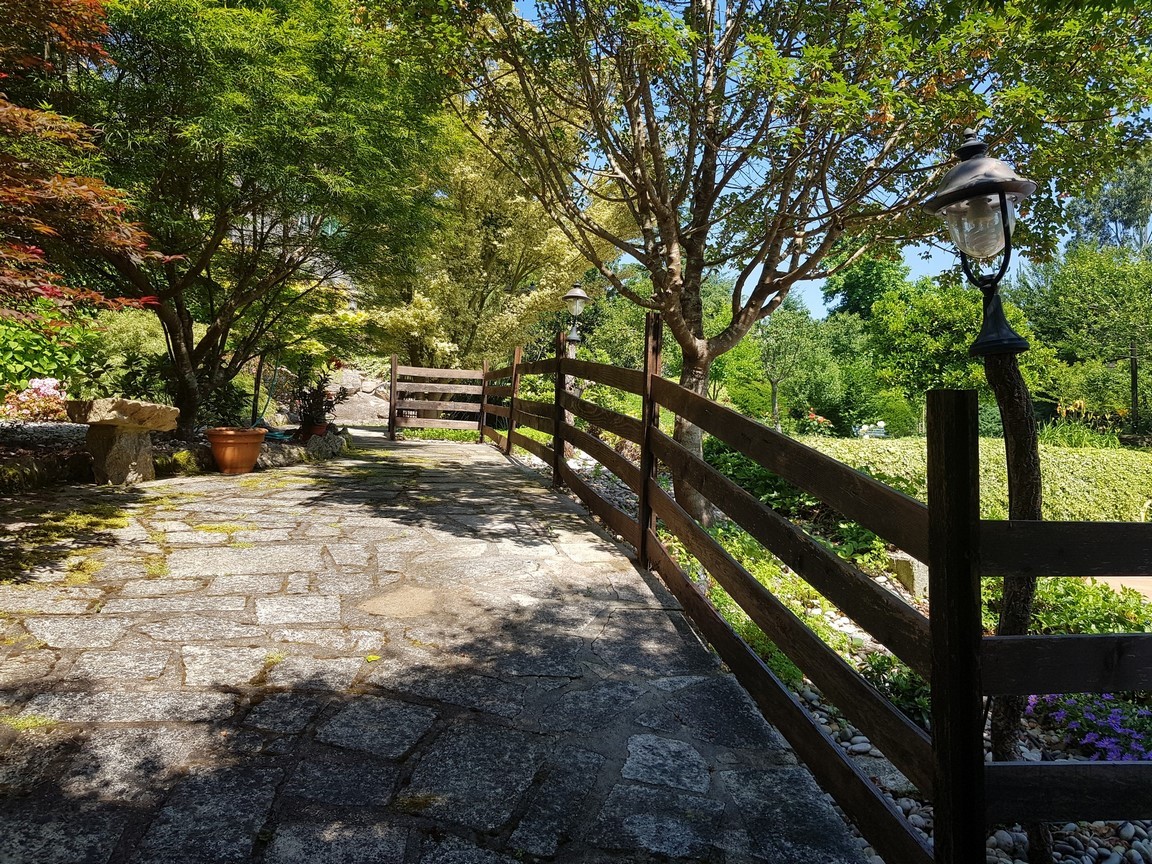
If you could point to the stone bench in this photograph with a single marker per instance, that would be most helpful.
(119, 436)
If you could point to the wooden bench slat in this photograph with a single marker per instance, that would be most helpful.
(426, 405)
(1067, 791)
(612, 421)
(615, 518)
(605, 455)
(432, 387)
(425, 372)
(433, 423)
(630, 380)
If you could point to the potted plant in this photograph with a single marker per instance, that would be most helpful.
(314, 403)
(235, 448)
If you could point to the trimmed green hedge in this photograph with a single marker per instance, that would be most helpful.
(1079, 484)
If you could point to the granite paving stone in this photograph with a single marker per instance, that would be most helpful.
(667, 823)
(284, 712)
(129, 707)
(350, 784)
(376, 725)
(787, 816)
(297, 610)
(85, 837)
(215, 817)
(337, 843)
(119, 665)
(126, 764)
(475, 775)
(666, 762)
(554, 809)
(415, 654)
(205, 665)
(309, 673)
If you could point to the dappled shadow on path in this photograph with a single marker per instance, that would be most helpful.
(390, 683)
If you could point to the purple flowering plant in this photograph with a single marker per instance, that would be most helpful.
(1102, 726)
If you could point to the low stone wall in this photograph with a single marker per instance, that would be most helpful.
(23, 473)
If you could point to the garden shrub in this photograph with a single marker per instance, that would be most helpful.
(1089, 485)
(1070, 433)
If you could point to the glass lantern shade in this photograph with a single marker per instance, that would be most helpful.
(576, 298)
(977, 226)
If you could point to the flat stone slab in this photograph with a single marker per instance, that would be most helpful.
(127, 413)
(337, 843)
(666, 762)
(297, 610)
(350, 784)
(206, 666)
(658, 821)
(374, 725)
(130, 764)
(474, 775)
(214, 817)
(307, 673)
(119, 665)
(284, 712)
(226, 560)
(128, 707)
(86, 837)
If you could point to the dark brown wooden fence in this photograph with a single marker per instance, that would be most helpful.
(420, 397)
(962, 665)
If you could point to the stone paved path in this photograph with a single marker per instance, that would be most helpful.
(416, 654)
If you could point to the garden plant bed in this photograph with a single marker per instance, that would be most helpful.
(39, 455)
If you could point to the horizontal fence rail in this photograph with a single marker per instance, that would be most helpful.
(426, 398)
(947, 649)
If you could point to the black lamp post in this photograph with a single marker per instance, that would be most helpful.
(977, 199)
(575, 298)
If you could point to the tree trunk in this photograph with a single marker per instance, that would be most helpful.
(775, 404)
(694, 377)
(188, 401)
(1021, 445)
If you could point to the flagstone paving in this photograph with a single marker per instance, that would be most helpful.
(417, 654)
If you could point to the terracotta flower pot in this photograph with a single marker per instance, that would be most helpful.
(308, 430)
(235, 448)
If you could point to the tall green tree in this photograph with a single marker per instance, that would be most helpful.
(495, 264)
(1119, 212)
(759, 137)
(273, 151)
(855, 289)
(1093, 305)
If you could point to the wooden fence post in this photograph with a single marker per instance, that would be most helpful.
(954, 595)
(483, 400)
(650, 417)
(512, 399)
(392, 393)
(558, 416)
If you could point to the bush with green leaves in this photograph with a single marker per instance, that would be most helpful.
(1070, 433)
(40, 349)
(1085, 485)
